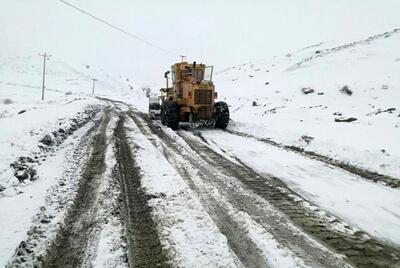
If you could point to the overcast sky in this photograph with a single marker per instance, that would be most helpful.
(220, 33)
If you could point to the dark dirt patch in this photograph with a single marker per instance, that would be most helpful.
(390, 110)
(346, 90)
(51, 140)
(24, 167)
(273, 110)
(47, 140)
(379, 111)
(345, 119)
(307, 139)
(145, 249)
(307, 90)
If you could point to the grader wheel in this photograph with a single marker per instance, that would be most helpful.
(221, 115)
(172, 115)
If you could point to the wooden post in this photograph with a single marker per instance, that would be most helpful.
(45, 57)
(94, 81)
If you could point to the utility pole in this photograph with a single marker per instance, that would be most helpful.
(94, 81)
(182, 58)
(45, 57)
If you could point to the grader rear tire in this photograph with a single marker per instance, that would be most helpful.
(221, 115)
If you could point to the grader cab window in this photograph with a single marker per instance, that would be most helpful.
(173, 75)
(208, 73)
(198, 75)
(185, 74)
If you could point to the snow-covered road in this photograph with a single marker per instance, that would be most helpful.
(145, 195)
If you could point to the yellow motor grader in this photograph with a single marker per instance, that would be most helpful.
(191, 98)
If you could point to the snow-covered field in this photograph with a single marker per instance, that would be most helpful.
(370, 206)
(267, 100)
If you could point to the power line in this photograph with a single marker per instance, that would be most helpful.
(121, 30)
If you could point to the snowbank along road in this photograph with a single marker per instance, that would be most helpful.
(133, 193)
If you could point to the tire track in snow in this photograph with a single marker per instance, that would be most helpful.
(237, 236)
(32, 248)
(69, 247)
(273, 226)
(359, 247)
(144, 246)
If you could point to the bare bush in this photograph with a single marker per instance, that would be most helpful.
(346, 90)
(7, 101)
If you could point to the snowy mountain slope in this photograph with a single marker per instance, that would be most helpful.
(26, 71)
(282, 112)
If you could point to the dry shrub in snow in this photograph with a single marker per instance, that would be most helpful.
(346, 90)
(7, 101)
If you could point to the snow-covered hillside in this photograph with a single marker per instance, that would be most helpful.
(21, 74)
(297, 99)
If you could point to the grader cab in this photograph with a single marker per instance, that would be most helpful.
(191, 97)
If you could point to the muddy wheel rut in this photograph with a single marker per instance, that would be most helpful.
(144, 246)
(69, 246)
(30, 249)
(359, 248)
(244, 248)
